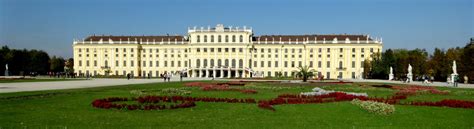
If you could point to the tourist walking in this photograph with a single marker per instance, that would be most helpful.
(455, 81)
(181, 77)
(169, 77)
(128, 76)
(165, 76)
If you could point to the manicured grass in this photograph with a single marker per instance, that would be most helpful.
(72, 109)
(34, 80)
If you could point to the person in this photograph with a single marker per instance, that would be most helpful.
(456, 78)
(169, 77)
(181, 77)
(165, 76)
(149, 75)
(128, 76)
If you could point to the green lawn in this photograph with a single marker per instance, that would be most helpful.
(72, 109)
(34, 80)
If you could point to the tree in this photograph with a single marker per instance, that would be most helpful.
(56, 64)
(305, 72)
(467, 62)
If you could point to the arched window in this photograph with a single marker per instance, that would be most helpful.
(241, 63)
(219, 39)
(205, 63)
(233, 38)
(205, 38)
(219, 63)
(226, 38)
(212, 38)
(198, 63)
(212, 62)
(198, 38)
(241, 38)
(226, 62)
(106, 63)
(233, 63)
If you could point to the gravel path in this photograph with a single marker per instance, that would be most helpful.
(55, 85)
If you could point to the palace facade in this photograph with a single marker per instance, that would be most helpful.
(224, 52)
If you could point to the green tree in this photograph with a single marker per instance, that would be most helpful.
(305, 72)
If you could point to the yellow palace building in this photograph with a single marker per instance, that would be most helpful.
(224, 52)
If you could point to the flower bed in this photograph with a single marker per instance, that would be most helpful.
(413, 90)
(220, 87)
(153, 102)
(375, 107)
(447, 103)
(166, 91)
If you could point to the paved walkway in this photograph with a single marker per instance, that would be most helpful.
(55, 85)
(439, 84)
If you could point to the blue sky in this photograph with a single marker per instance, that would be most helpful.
(51, 25)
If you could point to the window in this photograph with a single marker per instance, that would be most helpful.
(227, 38)
(320, 49)
(241, 38)
(205, 63)
(172, 63)
(286, 64)
(319, 64)
(157, 63)
(233, 38)
(205, 38)
(233, 49)
(293, 50)
(131, 63)
(166, 64)
(151, 64)
(341, 50)
(144, 63)
(362, 50)
(328, 64)
(269, 64)
(329, 50)
(80, 50)
(197, 50)
(362, 64)
(311, 50)
(124, 63)
(254, 63)
(311, 64)
(261, 64)
(300, 64)
(212, 49)
(80, 63)
(292, 64)
(87, 49)
(241, 49)
(212, 38)
(116, 63)
(219, 39)
(340, 64)
(87, 63)
(205, 49)
(131, 49)
(226, 49)
(179, 63)
(219, 49)
(353, 50)
(198, 63)
(301, 50)
(233, 63)
(241, 63)
(95, 63)
(353, 75)
(286, 50)
(371, 49)
(262, 50)
(269, 50)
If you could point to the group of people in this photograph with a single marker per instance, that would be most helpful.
(166, 76)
